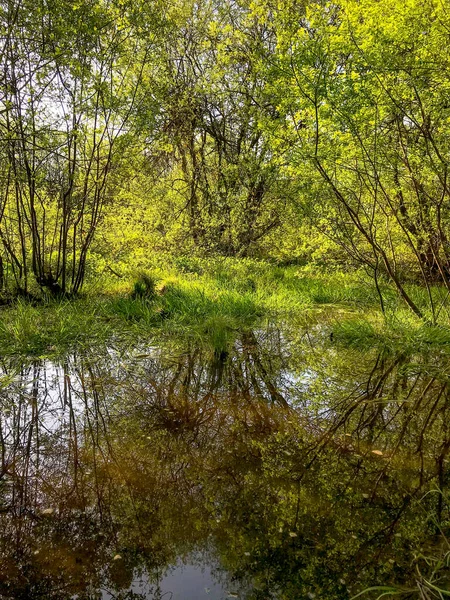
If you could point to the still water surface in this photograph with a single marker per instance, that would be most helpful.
(282, 469)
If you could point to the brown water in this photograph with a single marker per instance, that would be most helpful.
(281, 469)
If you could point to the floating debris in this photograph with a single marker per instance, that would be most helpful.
(48, 511)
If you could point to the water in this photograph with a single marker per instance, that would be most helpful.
(285, 468)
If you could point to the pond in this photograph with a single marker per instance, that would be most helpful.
(284, 468)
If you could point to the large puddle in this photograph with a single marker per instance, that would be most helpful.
(282, 469)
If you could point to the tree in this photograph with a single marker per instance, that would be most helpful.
(365, 87)
(214, 107)
(69, 85)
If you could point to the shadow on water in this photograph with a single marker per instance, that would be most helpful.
(276, 470)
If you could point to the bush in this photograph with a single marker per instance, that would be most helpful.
(145, 287)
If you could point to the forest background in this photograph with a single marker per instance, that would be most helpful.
(226, 159)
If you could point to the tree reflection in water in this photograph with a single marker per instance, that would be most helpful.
(289, 470)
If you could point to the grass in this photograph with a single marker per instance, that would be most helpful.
(50, 329)
(209, 302)
(396, 332)
(432, 566)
